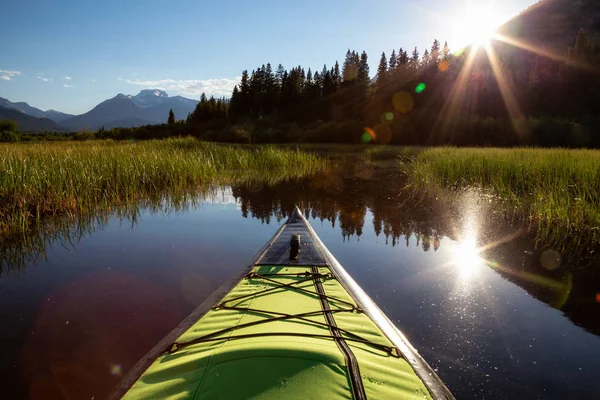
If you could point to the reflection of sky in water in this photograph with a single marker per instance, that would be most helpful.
(486, 336)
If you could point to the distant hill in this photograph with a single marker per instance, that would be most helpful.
(150, 106)
(57, 116)
(23, 107)
(554, 24)
(27, 123)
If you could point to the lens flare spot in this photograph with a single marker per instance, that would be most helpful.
(598, 297)
(443, 65)
(116, 370)
(388, 116)
(403, 102)
(460, 52)
(369, 135)
(550, 260)
(420, 87)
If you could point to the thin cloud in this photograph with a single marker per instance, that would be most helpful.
(192, 87)
(65, 85)
(7, 75)
(44, 79)
(67, 78)
(7, 72)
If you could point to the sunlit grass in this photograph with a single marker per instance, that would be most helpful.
(37, 180)
(557, 189)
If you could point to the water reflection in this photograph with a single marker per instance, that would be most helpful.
(466, 256)
(482, 235)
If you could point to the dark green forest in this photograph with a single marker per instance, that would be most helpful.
(502, 97)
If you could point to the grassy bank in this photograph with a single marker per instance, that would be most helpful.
(37, 180)
(557, 189)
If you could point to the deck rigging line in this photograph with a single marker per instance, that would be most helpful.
(279, 316)
(358, 388)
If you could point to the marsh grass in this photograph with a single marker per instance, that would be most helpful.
(556, 189)
(72, 178)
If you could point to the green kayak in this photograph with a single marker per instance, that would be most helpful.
(291, 324)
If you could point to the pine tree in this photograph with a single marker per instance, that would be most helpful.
(382, 73)
(426, 58)
(245, 95)
(279, 75)
(403, 57)
(336, 74)
(347, 67)
(435, 51)
(363, 68)
(171, 120)
(234, 103)
(414, 61)
(446, 51)
(318, 81)
(393, 64)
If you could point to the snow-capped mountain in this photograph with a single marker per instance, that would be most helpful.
(150, 106)
(150, 98)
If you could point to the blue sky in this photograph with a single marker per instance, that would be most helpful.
(71, 55)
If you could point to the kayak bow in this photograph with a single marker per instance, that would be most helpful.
(290, 324)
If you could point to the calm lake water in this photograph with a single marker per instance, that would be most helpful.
(496, 318)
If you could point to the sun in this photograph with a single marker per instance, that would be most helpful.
(476, 25)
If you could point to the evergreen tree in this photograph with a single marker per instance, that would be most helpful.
(350, 67)
(234, 104)
(318, 81)
(393, 65)
(363, 68)
(382, 73)
(446, 51)
(435, 51)
(414, 60)
(171, 119)
(403, 59)
(245, 95)
(426, 58)
(336, 75)
(279, 75)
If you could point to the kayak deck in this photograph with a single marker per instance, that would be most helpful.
(269, 338)
(285, 329)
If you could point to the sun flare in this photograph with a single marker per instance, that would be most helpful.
(476, 25)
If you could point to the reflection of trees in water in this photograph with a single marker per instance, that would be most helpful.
(396, 215)
(344, 200)
(18, 251)
(402, 219)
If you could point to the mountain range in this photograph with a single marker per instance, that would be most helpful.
(25, 108)
(150, 106)
(27, 123)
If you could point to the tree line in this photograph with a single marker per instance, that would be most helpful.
(510, 98)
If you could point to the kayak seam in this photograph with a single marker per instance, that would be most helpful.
(358, 389)
(212, 354)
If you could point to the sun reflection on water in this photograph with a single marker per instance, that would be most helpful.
(466, 256)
